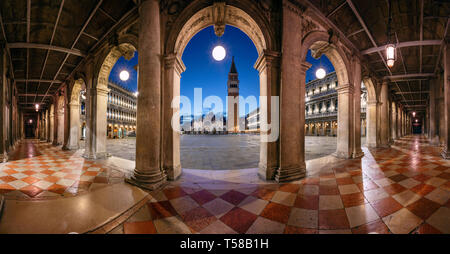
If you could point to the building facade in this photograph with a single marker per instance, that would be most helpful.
(321, 109)
(120, 114)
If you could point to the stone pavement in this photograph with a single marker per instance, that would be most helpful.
(221, 152)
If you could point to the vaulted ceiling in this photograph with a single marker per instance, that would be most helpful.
(48, 39)
(418, 28)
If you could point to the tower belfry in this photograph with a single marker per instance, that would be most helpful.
(233, 99)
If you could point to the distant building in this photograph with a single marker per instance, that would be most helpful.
(321, 107)
(120, 114)
(252, 121)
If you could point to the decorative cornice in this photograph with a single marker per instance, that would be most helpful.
(173, 61)
(267, 59)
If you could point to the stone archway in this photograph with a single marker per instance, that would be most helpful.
(61, 110)
(319, 42)
(97, 99)
(217, 15)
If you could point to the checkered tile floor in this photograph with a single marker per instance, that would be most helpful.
(402, 189)
(40, 170)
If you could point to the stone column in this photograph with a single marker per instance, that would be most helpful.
(74, 123)
(268, 66)
(148, 173)
(357, 152)
(100, 121)
(398, 120)
(90, 96)
(393, 121)
(384, 111)
(292, 100)
(49, 131)
(52, 123)
(371, 123)
(345, 121)
(3, 84)
(446, 108)
(432, 131)
(404, 122)
(42, 126)
(173, 67)
(60, 115)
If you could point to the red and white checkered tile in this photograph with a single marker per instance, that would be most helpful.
(402, 189)
(50, 173)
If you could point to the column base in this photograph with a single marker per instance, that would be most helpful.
(96, 156)
(266, 173)
(446, 153)
(72, 147)
(151, 182)
(3, 158)
(371, 145)
(2, 202)
(434, 141)
(358, 154)
(341, 155)
(290, 174)
(384, 146)
(173, 172)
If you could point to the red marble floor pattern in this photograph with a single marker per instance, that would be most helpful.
(402, 189)
(40, 170)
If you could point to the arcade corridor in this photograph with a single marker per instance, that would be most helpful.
(392, 65)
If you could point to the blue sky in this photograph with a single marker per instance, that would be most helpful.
(202, 71)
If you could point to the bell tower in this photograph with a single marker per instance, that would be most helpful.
(233, 99)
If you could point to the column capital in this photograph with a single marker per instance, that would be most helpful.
(74, 104)
(372, 102)
(267, 59)
(304, 67)
(345, 88)
(174, 61)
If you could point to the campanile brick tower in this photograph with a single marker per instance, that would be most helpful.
(233, 99)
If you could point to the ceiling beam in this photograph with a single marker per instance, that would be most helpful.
(104, 36)
(356, 32)
(51, 43)
(86, 23)
(336, 9)
(5, 39)
(403, 45)
(32, 94)
(411, 92)
(363, 24)
(39, 80)
(409, 76)
(75, 52)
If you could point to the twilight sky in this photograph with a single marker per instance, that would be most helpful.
(202, 71)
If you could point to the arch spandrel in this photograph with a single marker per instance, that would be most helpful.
(318, 42)
(126, 50)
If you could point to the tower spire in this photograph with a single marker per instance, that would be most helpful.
(233, 67)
